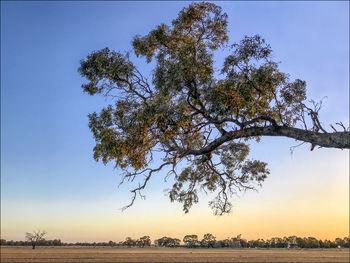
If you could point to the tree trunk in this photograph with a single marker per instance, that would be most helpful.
(33, 246)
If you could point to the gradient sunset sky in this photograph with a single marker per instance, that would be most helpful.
(49, 179)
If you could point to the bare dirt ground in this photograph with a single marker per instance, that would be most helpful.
(107, 254)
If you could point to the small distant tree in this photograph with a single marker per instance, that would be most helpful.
(291, 241)
(301, 242)
(244, 242)
(312, 242)
(191, 240)
(236, 241)
(57, 242)
(2, 242)
(35, 237)
(144, 241)
(162, 242)
(174, 242)
(111, 243)
(208, 240)
(129, 242)
(167, 242)
(225, 243)
(340, 242)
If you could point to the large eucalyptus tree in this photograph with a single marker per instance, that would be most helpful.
(199, 124)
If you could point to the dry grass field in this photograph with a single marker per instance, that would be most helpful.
(107, 254)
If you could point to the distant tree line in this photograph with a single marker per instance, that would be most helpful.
(55, 242)
(208, 241)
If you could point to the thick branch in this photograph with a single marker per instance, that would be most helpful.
(329, 140)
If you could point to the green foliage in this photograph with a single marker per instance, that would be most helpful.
(208, 240)
(200, 124)
(129, 242)
(167, 242)
(144, 241)
(191, 240)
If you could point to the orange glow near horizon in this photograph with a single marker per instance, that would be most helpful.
(315, 202)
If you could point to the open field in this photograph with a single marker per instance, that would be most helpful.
(107, 254)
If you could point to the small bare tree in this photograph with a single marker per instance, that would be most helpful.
(35, 237)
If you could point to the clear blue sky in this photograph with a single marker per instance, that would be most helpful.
(46, 146)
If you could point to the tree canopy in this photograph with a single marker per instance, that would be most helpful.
(35, 237)
(199, 125)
